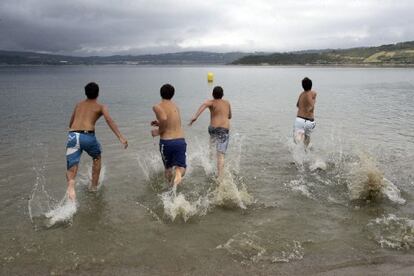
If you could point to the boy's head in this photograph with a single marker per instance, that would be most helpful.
(167, 91)
(92, 90)
(306, 84)
(217, 92)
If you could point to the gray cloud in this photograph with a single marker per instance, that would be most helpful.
(102, 27)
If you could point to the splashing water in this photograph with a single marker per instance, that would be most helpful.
(366, 181)
(62, 213)
(300, 186)
(229, 191)
(228, 194)
(178, 206)
(392, 232)
(45, 211)
(251, 247)
(306, 156)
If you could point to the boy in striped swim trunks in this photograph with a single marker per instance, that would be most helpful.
(220, 115)
(305, 122)
(81, 137)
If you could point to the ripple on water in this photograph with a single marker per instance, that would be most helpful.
(255, 247)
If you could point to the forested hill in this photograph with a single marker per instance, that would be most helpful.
(399, 54)
(183, 58)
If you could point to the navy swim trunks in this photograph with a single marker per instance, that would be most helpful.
(173, 152)
(220, 136)
(78, 142)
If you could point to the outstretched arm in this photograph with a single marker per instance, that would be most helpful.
(199, 111)
(112, 125)
(161, 121)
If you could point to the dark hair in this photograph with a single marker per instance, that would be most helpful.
(92, 90)
(217, 92)
(307, 84)
(167, 91)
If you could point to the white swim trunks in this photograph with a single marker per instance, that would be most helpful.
(304, 125)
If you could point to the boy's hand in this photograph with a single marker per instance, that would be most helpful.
(192, 121)
(155, 132)
(124, 142)
(155, 123)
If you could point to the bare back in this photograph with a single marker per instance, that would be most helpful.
(220, 113)
(306, 104)
(85, 115)
(169, 117)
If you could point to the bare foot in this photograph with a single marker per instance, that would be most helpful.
(71, 193)
(93, 188)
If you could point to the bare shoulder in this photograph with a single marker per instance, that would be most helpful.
(157, 108)
(209, 102)
(102, 107)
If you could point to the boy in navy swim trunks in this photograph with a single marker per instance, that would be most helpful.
(82, 137)
(220, 115)
(172, 143)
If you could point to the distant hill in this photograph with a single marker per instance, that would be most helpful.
(31, 58)
(399, 54)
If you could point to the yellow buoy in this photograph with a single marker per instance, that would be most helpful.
(210, 77)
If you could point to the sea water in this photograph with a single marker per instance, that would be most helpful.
(344, 205)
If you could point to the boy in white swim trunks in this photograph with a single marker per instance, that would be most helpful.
(305, 121)
(220, 115)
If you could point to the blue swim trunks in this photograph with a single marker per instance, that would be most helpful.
(78, 142)
(173, 152)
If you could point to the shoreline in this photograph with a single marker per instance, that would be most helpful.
(221, 64)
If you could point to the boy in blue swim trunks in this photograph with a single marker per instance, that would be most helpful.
(172, 143)
(220, 115)
(82, 137)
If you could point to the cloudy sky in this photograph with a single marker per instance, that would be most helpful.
(104, 27)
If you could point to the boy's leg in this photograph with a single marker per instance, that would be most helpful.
(168, 174)
(179, 173)
(306, 141)
(70, 177)
(96, 171)
(220, 163)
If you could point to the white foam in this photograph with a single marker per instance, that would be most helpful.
(178, 206)
(62, 213)
(393, 232)
(227, 193)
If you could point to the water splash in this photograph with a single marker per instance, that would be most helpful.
(366, 181)
(44, 211)
(392, 232)
(299, 185)
(62, 213)
(176, 205)
(251, 247)
(84, 178)
(229, 191)
(228, 194)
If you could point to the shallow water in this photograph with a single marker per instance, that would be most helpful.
(344, 207)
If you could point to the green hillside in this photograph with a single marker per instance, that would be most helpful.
(400, 54)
